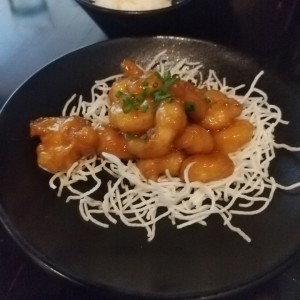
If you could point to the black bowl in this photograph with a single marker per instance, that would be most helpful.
(144, 22)
(207, 262)
(175, 4)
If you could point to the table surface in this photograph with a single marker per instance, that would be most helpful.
(35, 32)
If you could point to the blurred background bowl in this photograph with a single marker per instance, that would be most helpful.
(117, 23)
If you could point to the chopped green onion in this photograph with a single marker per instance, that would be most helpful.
(161, 95)
(189, 106)
(129, 136)
(168, 80)
(136, 102)
(145, 93)
(144, 107)
(118, 94)
(139, 98)
(167, 75)
(207, 100)
(126, 109)
(128, 105)
(145, 83)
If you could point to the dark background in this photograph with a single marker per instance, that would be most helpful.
(34, 32)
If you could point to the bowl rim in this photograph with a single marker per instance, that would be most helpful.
(89, 4)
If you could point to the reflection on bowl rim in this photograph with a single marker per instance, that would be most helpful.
(174, 5)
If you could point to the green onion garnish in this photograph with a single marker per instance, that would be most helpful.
(144, 107)
(189, 106)
(118, 94)
(128, 105)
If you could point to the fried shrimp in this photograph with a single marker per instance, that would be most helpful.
(152, 168)
(233, 137)
(195, 139)
(112, 141)
(207, 167)
(64, 140)
(192, 97)
(132, 107)
(118, 88)
(170, 121)
(130, 68)
(221, 111)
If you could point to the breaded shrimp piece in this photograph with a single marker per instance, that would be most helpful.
(170, 121)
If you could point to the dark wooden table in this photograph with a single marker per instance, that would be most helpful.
(35, 32)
